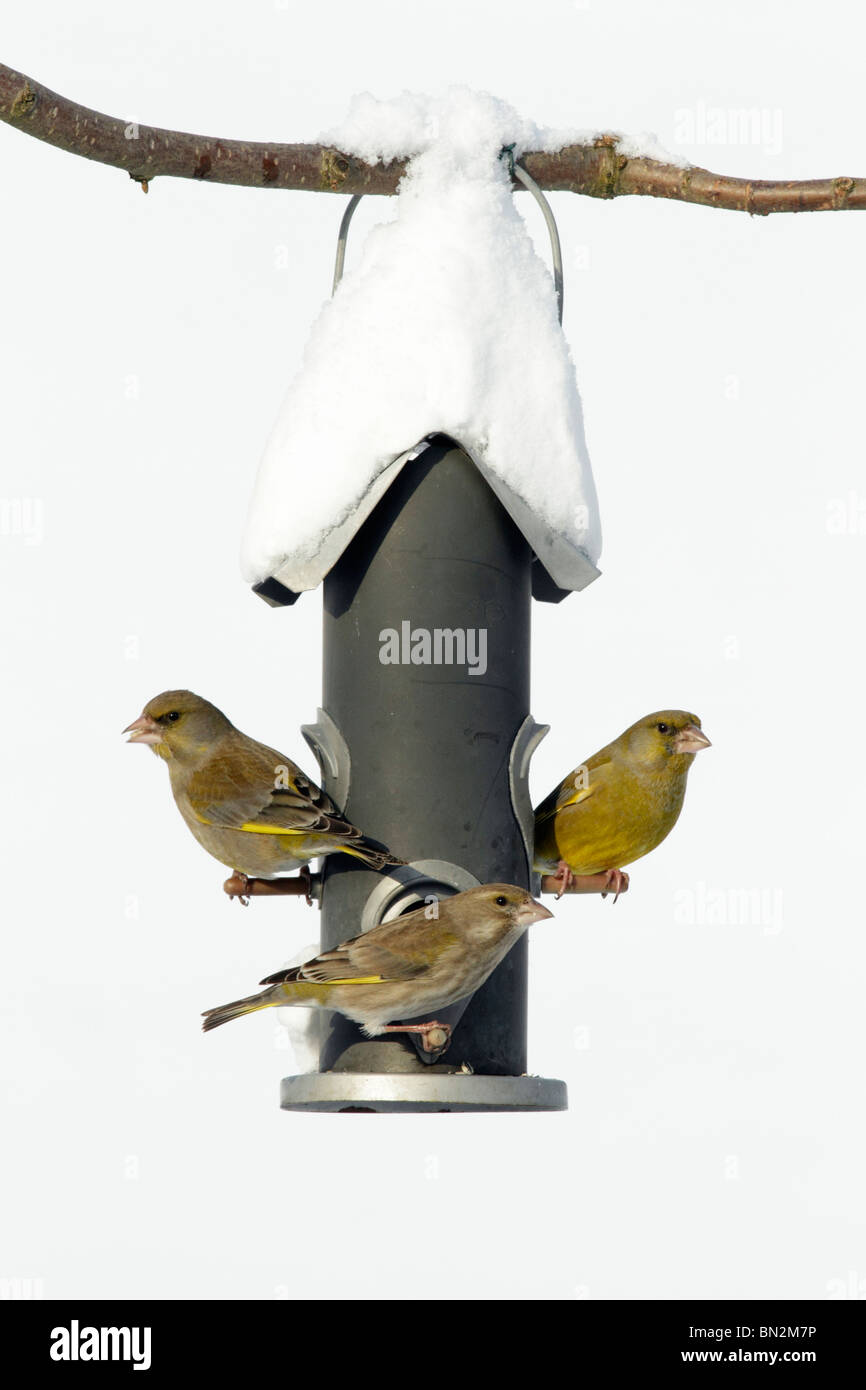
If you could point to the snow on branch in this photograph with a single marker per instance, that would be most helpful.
(598, 167)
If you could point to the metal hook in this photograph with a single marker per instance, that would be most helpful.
(555, 248)
(524, 178)
(342, 236)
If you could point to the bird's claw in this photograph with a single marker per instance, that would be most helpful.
(565, 876)
(442, 1031)
(616, 882)
(240, 889)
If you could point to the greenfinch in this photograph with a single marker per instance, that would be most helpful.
(413, 965)
(249, 806)
(620, 803)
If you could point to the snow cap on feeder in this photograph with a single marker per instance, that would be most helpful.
(447, 325)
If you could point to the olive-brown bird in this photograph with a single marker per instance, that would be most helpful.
(249, 806)
(408, 967)
(620, 803)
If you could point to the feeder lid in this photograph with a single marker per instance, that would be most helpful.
(448, 323)
(561, 566)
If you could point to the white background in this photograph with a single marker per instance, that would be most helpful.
(714, 1141)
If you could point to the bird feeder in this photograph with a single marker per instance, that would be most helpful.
(424, 740)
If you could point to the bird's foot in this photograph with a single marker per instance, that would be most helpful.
(435, 1037)
(565, 878)
(615, 882)
(306, 879)
(238, 886)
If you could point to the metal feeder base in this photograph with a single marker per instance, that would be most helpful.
(430, 1091)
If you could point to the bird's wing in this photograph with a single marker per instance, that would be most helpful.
(403, 949)
(250, 787)
(577, 787)
(354, 963)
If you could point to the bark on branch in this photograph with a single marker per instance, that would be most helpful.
(598, 169)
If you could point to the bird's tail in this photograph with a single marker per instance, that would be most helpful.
(224, 1013)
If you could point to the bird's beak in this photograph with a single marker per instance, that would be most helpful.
(144, 730)
(532, 912)
(691, 739)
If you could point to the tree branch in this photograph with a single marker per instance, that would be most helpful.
(598, 169)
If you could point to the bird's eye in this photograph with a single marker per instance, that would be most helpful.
(502, 901)
(172, 716)
(663, 728)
